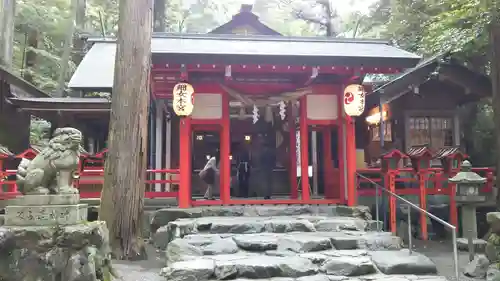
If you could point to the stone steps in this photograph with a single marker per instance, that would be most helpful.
(292, 243)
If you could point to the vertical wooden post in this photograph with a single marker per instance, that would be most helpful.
(304, 149)
(329, 186)
(294, 192)
(225, 188)
(341, 149)
(158, 135)
(185, 163)
(351, 162)
(453, 204)
(168, 151)
(392, 200)
(423, 204)
(2, 175)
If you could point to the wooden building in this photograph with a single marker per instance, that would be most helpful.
(295, 84)
(15, 124)
(421, 106)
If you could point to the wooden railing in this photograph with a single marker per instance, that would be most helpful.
(160, 183)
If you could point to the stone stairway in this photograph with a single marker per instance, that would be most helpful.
(282, 243)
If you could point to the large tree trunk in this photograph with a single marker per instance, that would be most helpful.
(67, 48)
(495, 82)
(122, 198)
(30, 59)
(7, 31)
(159, 16)
(78, 41)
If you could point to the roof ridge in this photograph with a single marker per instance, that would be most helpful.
(267, 38)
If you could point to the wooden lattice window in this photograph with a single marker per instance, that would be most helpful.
(436, 132)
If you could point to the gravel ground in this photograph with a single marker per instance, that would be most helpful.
(147, 270)
(439, 251)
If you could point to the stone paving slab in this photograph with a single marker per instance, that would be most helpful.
(289, 255)
(251, 225)
(360, 264)
(150, 270)
(163, 216)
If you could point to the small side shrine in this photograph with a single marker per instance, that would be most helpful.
(420, 157)
(391, 161)
(451, 159)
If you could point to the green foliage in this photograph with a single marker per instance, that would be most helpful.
(46, 18)
(483, 152)
(39, 131)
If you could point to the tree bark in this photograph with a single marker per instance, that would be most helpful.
(159, 24)
(122, 198)
(30, 59)
(78, 41)
(67, 48)
(495, 83)
(7, 31)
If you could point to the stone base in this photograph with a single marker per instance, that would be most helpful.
(70, 253)
(478, 244)
(45, 215)
(52, 199)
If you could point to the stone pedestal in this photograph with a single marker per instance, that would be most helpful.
(469, 230)
(48, 237)
(45, 210)
(69, 253)
(469, 221)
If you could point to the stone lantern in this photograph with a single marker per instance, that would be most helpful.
(468, 195)
(468, 185)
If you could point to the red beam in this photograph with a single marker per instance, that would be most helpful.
(268, 68)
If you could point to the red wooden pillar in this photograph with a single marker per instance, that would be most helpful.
(423, 204)
(225, 150)
(391, 180)
(351, 162)
(453, 204)
(185, 163)
(294, 190)
(304, 151)
(340, 149)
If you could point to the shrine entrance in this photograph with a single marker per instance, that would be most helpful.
(251, 138)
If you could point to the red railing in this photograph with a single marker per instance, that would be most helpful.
(155, 188)
(159, 182)
(8, 188)
(407, 180)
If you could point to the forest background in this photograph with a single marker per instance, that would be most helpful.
(426, 27)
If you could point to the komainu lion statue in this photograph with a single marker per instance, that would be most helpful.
(52, 170)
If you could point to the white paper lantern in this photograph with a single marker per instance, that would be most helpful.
(183, 101)
(354, 100)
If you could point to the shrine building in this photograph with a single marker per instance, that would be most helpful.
(251, 87)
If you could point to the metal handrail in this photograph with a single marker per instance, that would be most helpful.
(410, 204)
